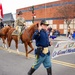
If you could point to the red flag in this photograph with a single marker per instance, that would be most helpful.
(1, 11)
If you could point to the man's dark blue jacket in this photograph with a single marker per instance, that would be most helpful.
(41, 38)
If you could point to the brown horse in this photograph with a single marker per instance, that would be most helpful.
(26, 38)
(3, 34)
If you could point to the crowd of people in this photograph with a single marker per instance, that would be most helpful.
(53, 33)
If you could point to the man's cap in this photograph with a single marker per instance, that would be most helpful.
(44, 22)
(19, 13)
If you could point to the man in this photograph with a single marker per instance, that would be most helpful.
(73, 35)
(69, 31)
(49, 30)
(20, 24)
(1, 23)
(41, 52)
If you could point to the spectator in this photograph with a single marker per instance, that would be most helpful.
(69, 29)
(1, 23)
(49, 30)
(73, 35)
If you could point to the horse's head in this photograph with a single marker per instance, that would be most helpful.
(30, 30)
(5, 29)
(34, 27)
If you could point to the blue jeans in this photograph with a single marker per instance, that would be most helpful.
(45, 60)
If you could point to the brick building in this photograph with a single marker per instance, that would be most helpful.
(49, 11)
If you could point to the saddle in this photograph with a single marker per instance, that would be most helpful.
(16, 32)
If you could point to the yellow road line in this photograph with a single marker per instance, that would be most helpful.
(32, 56)
(64, 63)
(20, 53)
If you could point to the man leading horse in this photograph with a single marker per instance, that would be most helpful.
(20, 24)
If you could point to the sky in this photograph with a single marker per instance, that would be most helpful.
(10, 6)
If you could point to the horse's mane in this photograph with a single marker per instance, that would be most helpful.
(31, 26)
(5, 27)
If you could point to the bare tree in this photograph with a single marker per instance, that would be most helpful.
(67, 12)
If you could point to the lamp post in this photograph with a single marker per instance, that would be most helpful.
(33, 14)
(45, 10)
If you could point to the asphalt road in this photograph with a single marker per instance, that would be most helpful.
(15, 64)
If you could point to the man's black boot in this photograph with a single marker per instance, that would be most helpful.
(31, 71)
(49, 71)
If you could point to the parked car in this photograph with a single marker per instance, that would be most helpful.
(56, 33)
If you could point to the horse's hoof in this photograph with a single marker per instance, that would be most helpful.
(18, 52)
(3, 46)
(6, 48)
(9, 51)
(27, 57)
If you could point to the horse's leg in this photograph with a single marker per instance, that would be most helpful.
(30, 45)
(26, 48)
(4, 43)
(16, 44)
(9, 43)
